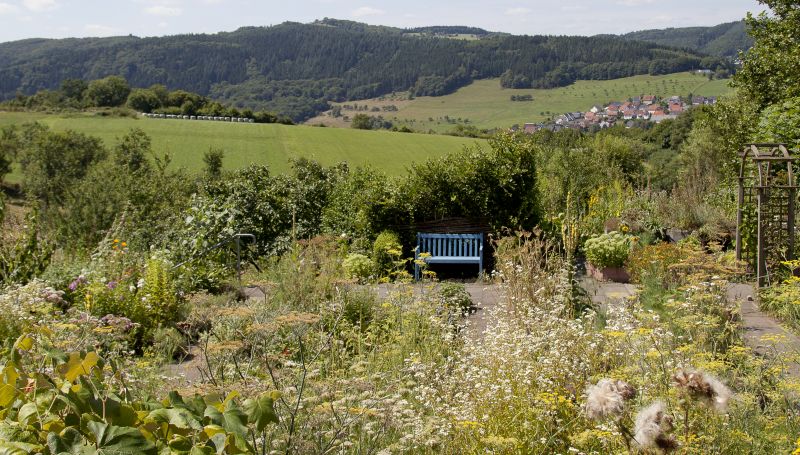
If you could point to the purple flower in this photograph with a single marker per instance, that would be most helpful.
(111, 284)
(73, 285)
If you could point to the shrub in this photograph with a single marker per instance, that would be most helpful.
(385, 251)
(455, 298)
(358, 266)
(652, 262)
(608, 250)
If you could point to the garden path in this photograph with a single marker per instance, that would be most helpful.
(763, 333)
(603, 292)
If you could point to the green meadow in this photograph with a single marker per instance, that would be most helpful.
(186, 141)
(487, 105)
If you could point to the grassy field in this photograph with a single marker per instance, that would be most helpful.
(186, 141)
(487, 105)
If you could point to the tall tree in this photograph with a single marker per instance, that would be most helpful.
(769, 73)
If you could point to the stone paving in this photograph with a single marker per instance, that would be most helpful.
(763, 333)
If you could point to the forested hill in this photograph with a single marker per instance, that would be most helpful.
(723, 40)
(295, 69)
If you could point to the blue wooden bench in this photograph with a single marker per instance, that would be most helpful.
(449, 249)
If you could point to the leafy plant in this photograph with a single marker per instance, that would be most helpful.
(455, 298)
(359, 266)
(77, 402)
(608, 250)
(385, 251)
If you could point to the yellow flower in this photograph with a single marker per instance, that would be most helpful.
(116, 240)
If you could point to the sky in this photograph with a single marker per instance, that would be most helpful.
(21, 19)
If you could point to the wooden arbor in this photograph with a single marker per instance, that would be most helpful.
(765, 219)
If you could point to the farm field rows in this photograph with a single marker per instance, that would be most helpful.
(485, 104)
(270, 144)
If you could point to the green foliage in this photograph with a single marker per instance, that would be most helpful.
(135, 190)
(132, 151)
(781, 123)
(169, 343)
(26, 256)
(359, 205)
(358, 266)
(385, 251)
(54, 161)
(724, 40)
(769, 71)
(498, 186)
(74, 88)
(361, 122)
(608, 250)
(143, 100)
(213, 161)
(79, 405)
(111, 91)
(455, 298)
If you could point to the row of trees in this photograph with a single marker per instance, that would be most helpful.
(115, 92)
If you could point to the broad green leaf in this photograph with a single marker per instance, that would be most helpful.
(180, 444)
(69, 441)
(77, 366)
(204, 450)
(234, 420)
(24, 343)
(7, 395)
(260, 411)
(27, 414)
(16, 448)
(176, 417)
(113, 440)
(213, 415)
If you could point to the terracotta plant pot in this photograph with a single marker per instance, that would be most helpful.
(615, 274)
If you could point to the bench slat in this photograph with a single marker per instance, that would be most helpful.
(450, 249)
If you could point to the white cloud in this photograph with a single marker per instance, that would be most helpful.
(365, 11)
(633, 2)
(6, 8)
(161, 10)
(100, 30)
(519, 11)
(40, 5)
(162, 25)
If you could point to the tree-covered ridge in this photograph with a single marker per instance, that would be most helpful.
(295, 69)
(722, 40)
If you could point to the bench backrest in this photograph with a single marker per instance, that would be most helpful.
(457, 245)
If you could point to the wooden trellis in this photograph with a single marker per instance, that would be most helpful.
(766, 214)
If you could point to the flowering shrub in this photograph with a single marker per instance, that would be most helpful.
(652, 262)
(608, 250)
(358, 266)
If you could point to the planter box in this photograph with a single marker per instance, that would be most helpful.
(615, 274)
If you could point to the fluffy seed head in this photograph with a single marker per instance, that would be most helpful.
(607, 398)
(652, 427)
(704, 387)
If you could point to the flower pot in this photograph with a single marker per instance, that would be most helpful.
(615, 274)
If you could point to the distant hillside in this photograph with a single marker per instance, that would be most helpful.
(296, 69)
(724, 40)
